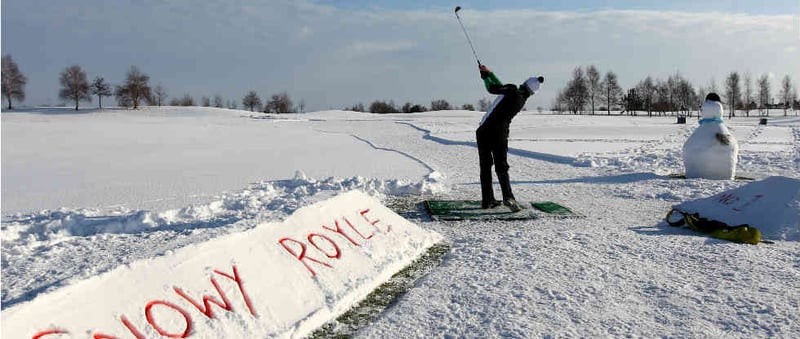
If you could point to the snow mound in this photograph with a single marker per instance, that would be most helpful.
(261, 201)
(772, 205)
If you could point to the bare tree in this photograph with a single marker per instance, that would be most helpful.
(712, 86)
(795, 103)
(646, 91)
(186, 100)
(612, 92)
(733, 93)
(559, 104)
(13, 81)
(413, 108)
(468, 107)
(440, 105)
(383, 107)
(748, 93)
(279, 103)
(593, 87)
(252, 101)
(633, 101)
(160, 95)
(662, 95)
(218, 101)
(786, 94)
(101, 89)
(675, 86)
(231, 104)
(685, 96)
(359, 107)
(576, 92)
(135, 89)
(205, 101)
(764, 94)
(74, 85)
(701, 92)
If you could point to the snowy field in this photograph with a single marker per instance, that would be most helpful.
(85, 193)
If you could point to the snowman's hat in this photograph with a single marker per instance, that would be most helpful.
(712, 107)
(713, 97)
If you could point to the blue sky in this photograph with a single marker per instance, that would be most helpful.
(332, 54)
(728, 6)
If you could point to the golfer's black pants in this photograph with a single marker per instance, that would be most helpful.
(494, 152)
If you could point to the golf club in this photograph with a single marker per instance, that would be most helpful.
(458, 8)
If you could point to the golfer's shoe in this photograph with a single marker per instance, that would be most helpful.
(512, 204)
(492, 204)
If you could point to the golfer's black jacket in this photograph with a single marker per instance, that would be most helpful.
(495, 123)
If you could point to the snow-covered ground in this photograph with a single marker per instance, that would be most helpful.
(85, 193)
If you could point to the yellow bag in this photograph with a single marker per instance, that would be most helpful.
(744, 233)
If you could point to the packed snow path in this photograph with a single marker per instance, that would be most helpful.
(620, 271)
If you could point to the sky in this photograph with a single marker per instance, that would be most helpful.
(333, 54)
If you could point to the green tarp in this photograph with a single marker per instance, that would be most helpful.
(471, 210)
(683, 176)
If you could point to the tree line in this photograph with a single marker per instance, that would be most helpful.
(589, 92)
(586, 92)
(383, 106)
(134, 91)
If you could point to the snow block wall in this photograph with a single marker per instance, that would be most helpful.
(275, 280)
(772, 205)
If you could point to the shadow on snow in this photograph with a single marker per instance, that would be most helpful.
(557, 159)
(611, 179)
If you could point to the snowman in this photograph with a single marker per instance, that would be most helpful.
(711, 151)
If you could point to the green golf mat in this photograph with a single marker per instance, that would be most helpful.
(471, 210)
(552, 208)
(683, 176)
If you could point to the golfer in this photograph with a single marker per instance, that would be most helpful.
(492, 135)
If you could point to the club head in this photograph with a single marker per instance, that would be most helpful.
(458, 8)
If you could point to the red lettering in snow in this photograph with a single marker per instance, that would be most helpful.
(327, 246)
(225, 304)
(337, 252)
(302, 255)
(728, 199)
(151, 320)
(356, 230)
(236, 278)
(743, 207)
(131, 328)
(374, 222)
(205, 308)
(207, 300)
(338, 230)
(44, 333)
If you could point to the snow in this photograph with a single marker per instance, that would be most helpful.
(163, 155)
(85, 194)
(320, 278)
(772, 205)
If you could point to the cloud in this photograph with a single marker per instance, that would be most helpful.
(333, 57)
(365, 48)
(305, 32)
